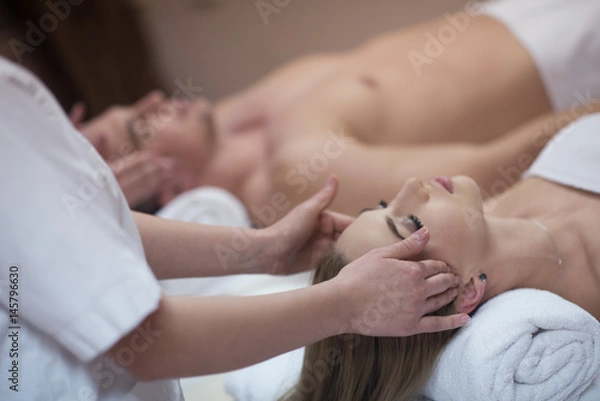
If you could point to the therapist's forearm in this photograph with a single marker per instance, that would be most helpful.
(198, 336)
(177, 249)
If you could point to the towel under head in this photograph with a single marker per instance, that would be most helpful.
(522, 345)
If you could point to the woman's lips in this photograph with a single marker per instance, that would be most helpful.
(446, 183)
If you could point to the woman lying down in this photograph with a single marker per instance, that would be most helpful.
(543, 233)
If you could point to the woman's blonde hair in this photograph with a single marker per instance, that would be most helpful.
(360, 368)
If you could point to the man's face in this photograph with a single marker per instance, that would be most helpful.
(181, 130)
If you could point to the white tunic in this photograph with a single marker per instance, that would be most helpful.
(73, 276)
(563, 38)
(572, 157)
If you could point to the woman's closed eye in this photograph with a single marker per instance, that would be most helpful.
(410, 223)
(415, 220)
(403, 227)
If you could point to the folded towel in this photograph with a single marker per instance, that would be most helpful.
(207, 205)
(522, 345)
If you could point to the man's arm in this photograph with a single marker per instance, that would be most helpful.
(369, 173)
(194, 336)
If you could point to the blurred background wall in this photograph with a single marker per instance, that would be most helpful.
(113, 51)
(225, 44)
(88, 50)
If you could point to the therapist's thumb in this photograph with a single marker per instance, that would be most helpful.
(322, 199)
(408, 247)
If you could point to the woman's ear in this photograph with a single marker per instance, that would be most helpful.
(470, 295)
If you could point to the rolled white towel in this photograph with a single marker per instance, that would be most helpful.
(207, 205)
(522, 345)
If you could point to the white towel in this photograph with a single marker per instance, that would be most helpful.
(522, 345)
(207, 205)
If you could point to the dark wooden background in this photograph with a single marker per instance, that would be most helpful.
(95, 54)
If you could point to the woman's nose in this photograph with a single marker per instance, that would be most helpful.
(413, 192)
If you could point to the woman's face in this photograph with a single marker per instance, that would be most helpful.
(451, 208)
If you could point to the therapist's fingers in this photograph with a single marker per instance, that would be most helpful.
(143, 170)
(339, 221)
(437, 301)
(407, 248)
(322, 199)
(433, 267)
(77, 114)
(333, 224)
(439, 283)
(141, 175)
(144, 186)
(431, 324)
(100, 145)
(149, 102)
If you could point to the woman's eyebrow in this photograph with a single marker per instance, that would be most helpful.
(393, 227)
(367, 209)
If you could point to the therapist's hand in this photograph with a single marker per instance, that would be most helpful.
(383, 294)
(306, 233)
(141, 175)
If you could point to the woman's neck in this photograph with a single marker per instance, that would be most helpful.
(571, 216)
(524, 253)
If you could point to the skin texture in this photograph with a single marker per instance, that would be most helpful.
(373, 98)
(365, 116)
(474, 238)
(197, 336)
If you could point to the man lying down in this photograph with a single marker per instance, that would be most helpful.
(366, 116)
(541, 234)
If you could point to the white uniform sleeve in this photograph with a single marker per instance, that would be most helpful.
(65, 224)
(563, 39)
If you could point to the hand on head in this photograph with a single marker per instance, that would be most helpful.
(390, 295)
(141, 173)
(383, 283)
(111, 126)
